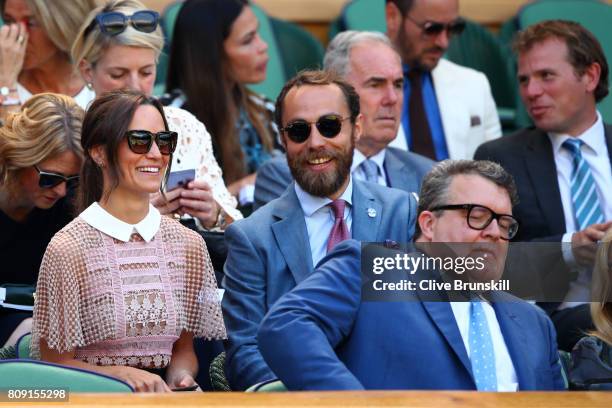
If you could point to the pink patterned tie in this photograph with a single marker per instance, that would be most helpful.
(339, 231)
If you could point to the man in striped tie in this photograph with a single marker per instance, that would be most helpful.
(562, 167)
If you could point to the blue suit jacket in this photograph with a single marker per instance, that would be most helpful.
(405, 171)
(269, 253)
(320, 336)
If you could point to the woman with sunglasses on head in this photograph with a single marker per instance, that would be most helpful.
(40, 158)
(117, 47)
(123, 290)
(35, 50)
(240, 121)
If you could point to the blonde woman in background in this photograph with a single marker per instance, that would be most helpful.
(35, 50)
(592, 356)
(117, 47)
(40, 159)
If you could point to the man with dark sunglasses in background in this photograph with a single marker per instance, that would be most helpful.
(448, 109)
(367, 61)
(278, 245)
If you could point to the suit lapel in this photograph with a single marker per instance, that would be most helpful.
(512, 329)
(441, 314)
(608, 136)
(291, 235)
(367, 214)
(398, 174)
(540, 163)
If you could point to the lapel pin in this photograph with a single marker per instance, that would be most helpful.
(371, 212)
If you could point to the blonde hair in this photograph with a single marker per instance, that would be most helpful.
(61, 19)
(601, 310)
(47, 125)
(91, 43)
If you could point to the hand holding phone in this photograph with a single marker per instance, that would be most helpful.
(180, 179)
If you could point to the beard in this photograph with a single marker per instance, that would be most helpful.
(322, 184)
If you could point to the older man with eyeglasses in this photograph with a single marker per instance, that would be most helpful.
(333, 333)
(448, 109)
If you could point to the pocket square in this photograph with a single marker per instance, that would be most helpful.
(475, 121)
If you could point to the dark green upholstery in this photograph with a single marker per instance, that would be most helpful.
(217, 374)
(299, 49)
(23, 346)
(22, 374)
(168, 20)
(595, 15)
(363, 15)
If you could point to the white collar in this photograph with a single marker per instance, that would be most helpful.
(310, 204)
(592, 137)
(378, 158)
(103, 221)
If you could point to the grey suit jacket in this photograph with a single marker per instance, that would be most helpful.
(269, 253)
(405, 171)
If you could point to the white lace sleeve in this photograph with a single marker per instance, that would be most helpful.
(194, 150)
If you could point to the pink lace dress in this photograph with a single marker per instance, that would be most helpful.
(125, 303)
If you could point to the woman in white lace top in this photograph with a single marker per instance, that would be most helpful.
(123, 290)
(111, 58)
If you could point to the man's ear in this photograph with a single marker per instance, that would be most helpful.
(591, 76)
(358, 127)
(394, 20)
(427, 221)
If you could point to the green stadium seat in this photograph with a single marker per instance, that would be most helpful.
(268, 386)
(24, 374)
(363, 15)
(299, 49)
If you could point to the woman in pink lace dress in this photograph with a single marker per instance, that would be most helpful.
(123, 290)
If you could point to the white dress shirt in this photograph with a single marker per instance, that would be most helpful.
(103, 221)
(506, 374)
(320, 218)
(595, 153)
(378, 158)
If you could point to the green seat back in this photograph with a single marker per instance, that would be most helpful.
(168, 20)
(268, 386)
(275, 76)
(594, 15)
(299, 49)
(217, 374)
(23, 346)
(362, 15)
(23, 374)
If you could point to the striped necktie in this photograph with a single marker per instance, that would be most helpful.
(582, 184)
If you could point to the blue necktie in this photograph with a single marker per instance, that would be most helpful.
(584, 193)
(482, 354)
(370, 168)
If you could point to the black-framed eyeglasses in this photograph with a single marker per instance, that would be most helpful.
(114, 22)
(47, 179)
(479, 217)
(140, 141)
(328, 126)
(433, 28)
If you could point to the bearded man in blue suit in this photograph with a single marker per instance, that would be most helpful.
(324, 336)
(278, 245)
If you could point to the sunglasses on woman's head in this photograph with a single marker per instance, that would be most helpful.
(114, 22)
(47, 179)
(328, 126)
(140, 141)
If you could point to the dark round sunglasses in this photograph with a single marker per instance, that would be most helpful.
(140, 141)
(114, 22)
(327, 125)
(433, 28)
(47, 179)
